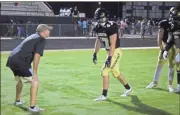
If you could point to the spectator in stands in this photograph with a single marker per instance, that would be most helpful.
(75, 28)
(75, 12)
(150, 25)
(10, 27)
(79, 27)
(138, 26)
(28, 26)
(84, 26)
(19, 29)
(68, 12)
(63, 11)
(127, 28)
(143, 28)
(71, 11)
(123, 25)
(133, 28)
(60, 12)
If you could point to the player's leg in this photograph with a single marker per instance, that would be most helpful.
(105, 75)
(178, 69)
(158, 70)
(116, 73)
(171, 57)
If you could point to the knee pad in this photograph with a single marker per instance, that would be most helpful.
(105, 71)
(116, 73)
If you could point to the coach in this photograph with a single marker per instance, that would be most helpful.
(20, 59)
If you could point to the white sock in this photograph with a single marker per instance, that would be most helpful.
(170, 74)
(157, 73)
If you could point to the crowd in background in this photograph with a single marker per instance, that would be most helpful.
(18, 29)
(84, 27)
(143, 27)
(69, 12)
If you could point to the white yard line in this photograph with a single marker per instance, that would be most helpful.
(125, 48)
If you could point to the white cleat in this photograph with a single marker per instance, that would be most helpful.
(151, 85)
(36, 109)
(127, 92)
(19, 104)
(177, 90)
(170, 88)
(101, 98)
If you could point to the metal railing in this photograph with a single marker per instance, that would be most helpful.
(26, 13)
(70, 30)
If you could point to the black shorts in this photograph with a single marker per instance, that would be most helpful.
(19, 68)
(22, 72)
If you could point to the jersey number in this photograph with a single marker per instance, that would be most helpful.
(105, 42)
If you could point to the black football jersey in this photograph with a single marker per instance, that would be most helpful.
(104, 33)
(166, 26)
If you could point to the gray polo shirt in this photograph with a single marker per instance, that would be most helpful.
(22, 56)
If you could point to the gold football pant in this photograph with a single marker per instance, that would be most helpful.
(171, 58)
(114, 67)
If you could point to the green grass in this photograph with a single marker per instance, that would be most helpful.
(69, 81)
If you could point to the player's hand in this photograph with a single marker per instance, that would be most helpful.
(108, 61)
(165, 54)
(178, 58)
(95, 58)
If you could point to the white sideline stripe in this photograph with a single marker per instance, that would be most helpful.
(125, 48)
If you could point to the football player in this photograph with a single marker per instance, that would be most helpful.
(107, 33)
(175, 39)
(162, 38)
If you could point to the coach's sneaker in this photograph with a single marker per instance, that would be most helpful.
(36, 109)
(101, 98)
(151, 85)
(20, 103)
(127, 92)
(170, 88)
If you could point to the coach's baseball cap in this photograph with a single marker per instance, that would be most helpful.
(43, 27)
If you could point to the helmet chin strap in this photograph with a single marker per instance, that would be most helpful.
(102, 21)
(103, 24)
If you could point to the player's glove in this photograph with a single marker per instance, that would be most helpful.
(178, 58)
(95, 58)
(108, 61)
(165, 54)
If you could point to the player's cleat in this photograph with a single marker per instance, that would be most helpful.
(127, 92)
(101, 98)
(170, 88)
(20, 103)
(36, 109)
(177, 90)
(151, 85)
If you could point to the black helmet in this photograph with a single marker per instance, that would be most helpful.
(101, 15)
(174, 12)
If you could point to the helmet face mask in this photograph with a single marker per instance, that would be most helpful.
(101, 16)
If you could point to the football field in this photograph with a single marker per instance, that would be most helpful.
(69, 81)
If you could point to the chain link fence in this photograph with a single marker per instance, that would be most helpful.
(18, 31)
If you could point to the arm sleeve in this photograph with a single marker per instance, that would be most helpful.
(39, 48)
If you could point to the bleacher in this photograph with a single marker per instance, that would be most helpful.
(23, 9)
